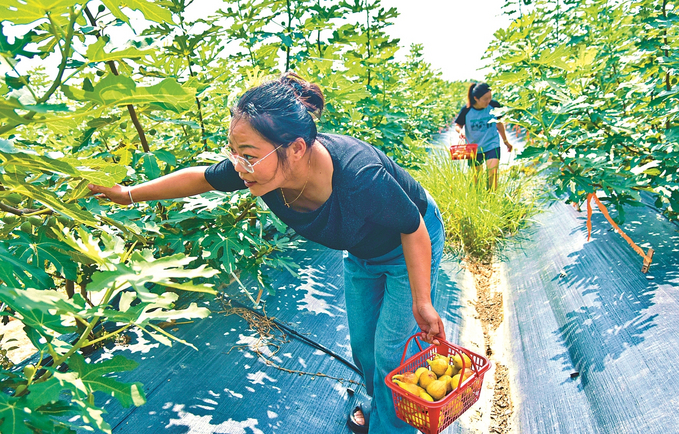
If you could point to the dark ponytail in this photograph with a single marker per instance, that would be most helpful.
(281, 110)
(470, 101)
(476, 91)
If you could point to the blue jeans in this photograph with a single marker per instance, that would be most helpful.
(380, 312)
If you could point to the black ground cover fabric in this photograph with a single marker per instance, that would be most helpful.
(224, 389)
(594, 342)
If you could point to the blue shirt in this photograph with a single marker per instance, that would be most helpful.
(478, 126)
(373, 200)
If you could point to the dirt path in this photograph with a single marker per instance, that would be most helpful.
(14, 330)
(483, 310)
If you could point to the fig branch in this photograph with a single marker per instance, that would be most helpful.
(192, 74)
(200, 108)
(245, 212)
(59, 359)
(65, 55)
(130, 108)
(289, 31)
(668, 85)
(24, 211)
(108, 335)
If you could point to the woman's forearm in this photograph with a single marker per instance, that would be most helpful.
(501, 130)
(503, 134)
(417, 252)
(182, 183)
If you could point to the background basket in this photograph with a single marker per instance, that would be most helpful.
(434, 417)
(463, 151)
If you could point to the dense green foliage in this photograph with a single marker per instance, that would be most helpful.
(594, 83)
(118, 111)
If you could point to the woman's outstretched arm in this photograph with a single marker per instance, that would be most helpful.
(182, 183)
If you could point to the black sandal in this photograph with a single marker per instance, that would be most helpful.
(355, 427)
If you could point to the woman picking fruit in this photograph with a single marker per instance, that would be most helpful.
(344, 194)
(481, 128)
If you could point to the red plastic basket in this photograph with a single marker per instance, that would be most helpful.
(463, 151)
(434, 417)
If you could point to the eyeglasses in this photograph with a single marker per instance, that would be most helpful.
(245, 164)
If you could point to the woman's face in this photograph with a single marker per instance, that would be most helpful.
(484, 100)
(247, 143)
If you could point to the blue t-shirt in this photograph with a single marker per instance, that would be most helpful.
(373, 200)
(478, 126)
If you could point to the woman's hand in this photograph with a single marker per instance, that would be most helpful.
(509, 146)
(458, 130)
(429, 322)
(118, 193)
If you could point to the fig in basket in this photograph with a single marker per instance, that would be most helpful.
(426, 378)
(446, 379)
(419, 372)
(427, 397)
(409, 387)
(439, 365)
(412, 414)
(441, 356)
(437, 389)
(457, 379)
(454, 408)
(406, 377)
(457, 361)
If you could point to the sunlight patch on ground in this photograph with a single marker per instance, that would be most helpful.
(259, 377)
(312, 301)
(203, 424)
(234, 394)
(342, 390)
(255, 345)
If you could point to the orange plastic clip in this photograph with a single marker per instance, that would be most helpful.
(648, 257)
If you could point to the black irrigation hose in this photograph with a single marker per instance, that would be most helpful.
(303, 338)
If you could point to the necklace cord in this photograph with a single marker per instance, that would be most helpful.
(308, 175)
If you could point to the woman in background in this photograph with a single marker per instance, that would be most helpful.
(344, 194)
(482, 127)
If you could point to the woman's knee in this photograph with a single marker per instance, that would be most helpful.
(492, 164)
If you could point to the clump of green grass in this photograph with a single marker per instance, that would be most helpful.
(478, 221)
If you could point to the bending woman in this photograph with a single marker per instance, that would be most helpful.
(481, 127)
(344, 194)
